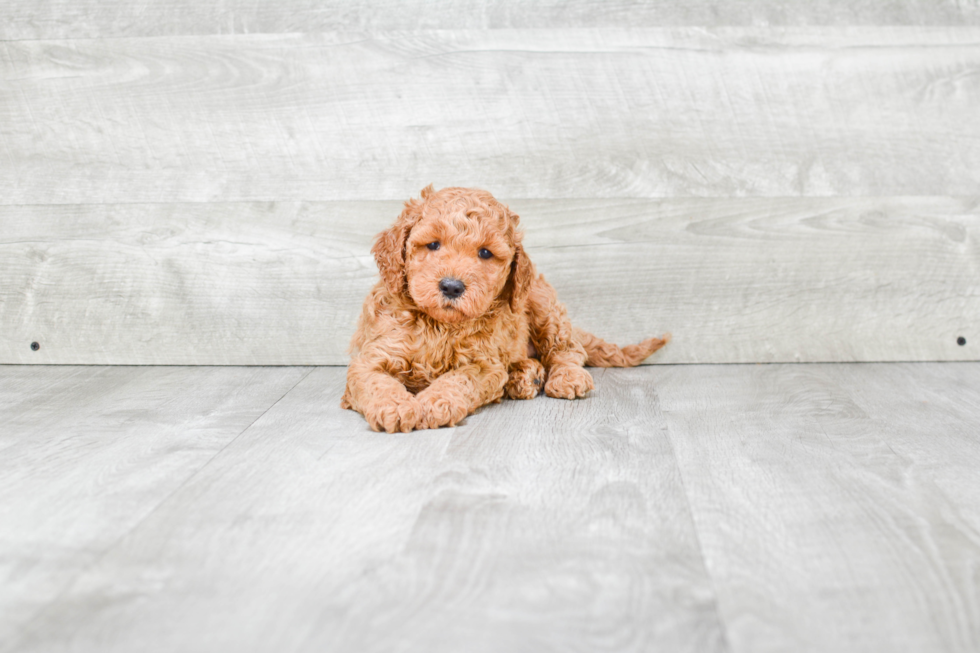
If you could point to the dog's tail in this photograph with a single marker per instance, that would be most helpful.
(606, 354)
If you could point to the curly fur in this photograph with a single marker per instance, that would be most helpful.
(423, 360)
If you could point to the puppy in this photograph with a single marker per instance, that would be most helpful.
(461, 318)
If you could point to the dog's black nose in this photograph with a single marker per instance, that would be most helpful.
(452, 288)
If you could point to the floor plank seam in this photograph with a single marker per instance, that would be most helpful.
(26, 625)
(697, 531)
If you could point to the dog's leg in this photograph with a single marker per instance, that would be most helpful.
(386, 404)
(456, 394)
(525, 379)
(551, 333)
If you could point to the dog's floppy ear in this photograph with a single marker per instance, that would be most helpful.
(389, 246)
(521, 277)
(521, 270)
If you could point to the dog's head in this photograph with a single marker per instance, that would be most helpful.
(453, 253)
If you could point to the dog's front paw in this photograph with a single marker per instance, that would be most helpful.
(525, 379)
(568, 382)
(393, 415)
(441, 409)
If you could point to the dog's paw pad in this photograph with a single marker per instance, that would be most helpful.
(525, 380)
(392, 417)
(568, 382)
(442, 412)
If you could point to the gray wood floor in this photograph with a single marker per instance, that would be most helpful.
(699, 508)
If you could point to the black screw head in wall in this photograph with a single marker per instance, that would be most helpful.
(35, 346)
(961, 341)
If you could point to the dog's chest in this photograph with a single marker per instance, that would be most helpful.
(435, 354)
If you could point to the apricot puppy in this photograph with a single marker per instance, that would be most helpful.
(461, 318)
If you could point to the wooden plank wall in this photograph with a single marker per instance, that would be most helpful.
(769, 181)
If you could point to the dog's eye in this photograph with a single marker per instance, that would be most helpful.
(434, 245)
(485, 253)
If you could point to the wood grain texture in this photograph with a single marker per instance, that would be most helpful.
(735, 280)
(534, 526)
(89, 453)
(553, 526)
(836, 510)
(301, 504)
(62, 19)
(835, 507)
(267, 284)
(533, 113)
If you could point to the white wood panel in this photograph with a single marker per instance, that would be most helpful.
(62, 19)
(734, 280)
(258, 284)
(772, 280)
(534, 526)
(530, 113)
(826, 527)
(86, 454)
